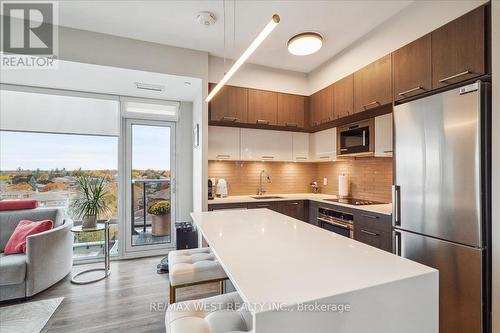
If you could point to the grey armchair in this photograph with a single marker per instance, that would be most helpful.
(48, 256)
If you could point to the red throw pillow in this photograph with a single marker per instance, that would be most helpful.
(17, 241)
(18, 204)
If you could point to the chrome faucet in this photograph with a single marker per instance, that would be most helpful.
(261, 190)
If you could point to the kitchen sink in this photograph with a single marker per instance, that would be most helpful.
(261, 197)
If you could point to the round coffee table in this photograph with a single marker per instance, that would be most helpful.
(106, 269)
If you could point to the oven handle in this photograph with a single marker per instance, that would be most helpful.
(364, 138)
(345, 225)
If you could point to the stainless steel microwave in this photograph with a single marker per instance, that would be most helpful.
(356, 139)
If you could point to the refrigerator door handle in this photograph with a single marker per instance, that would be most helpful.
(396, 201)
(397, 243)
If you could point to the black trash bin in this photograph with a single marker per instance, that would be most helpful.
(186, 238)
(186, 235)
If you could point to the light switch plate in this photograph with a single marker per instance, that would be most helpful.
(325, 181)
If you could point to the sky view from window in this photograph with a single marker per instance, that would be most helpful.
(50, 151)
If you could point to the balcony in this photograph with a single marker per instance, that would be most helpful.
(148, 229)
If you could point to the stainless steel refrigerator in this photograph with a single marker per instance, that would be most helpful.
(441, 199)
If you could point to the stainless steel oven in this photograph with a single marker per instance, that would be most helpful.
(336, 221)
(356, 139)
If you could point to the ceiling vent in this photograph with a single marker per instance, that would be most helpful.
(150, 87)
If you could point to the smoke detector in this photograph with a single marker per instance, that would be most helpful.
(205, 18)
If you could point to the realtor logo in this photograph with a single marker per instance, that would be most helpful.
(29, 34)
(28, 28)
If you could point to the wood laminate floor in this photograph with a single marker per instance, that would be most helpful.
(132, 299)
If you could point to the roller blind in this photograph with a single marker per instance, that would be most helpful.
(39, 110)
(158, 110)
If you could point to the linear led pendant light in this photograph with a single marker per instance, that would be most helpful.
(248, 52)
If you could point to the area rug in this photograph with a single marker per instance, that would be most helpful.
(30, 317)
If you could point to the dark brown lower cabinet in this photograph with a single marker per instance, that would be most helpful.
(373, 229)
(313, 213)
(212, 207)
(293, 209)
(268, 204)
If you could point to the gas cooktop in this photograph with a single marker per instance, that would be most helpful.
(355, 202)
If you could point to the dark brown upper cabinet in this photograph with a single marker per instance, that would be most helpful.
(291, 110)
(321, 106)
(412, 68)
(373, 85)
(343, 97)
(262, 107)
(229, 105)
(458, 49)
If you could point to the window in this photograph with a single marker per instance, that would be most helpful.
(44, 167)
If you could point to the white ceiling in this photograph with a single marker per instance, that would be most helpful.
(173, 22)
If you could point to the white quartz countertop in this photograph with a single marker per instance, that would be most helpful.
(273, 258)
(318, 197)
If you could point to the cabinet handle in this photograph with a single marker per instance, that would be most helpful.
(303, 158)
(370, 104)
(369, 232)
(267, 157)
(231, 119)
(223, 157)
(455, 76)
(262, 206)
(369, 216)
(263, 121)
(292, 204)
(387, 151)
(323, 157)
(411, 90)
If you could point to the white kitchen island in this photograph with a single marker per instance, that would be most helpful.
(298, 278)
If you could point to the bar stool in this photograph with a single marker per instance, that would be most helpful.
(193, 267)
(218, 314)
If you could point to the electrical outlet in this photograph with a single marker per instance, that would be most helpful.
(325, 181)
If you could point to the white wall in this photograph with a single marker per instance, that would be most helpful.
(414, 21)
(200, 160)
(102, 49)
(259, 77)
(496, 163)
(184, 162)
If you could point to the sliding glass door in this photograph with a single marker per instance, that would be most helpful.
(150, 185)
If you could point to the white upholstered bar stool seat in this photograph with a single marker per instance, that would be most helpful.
(192, 267)
(218, 314)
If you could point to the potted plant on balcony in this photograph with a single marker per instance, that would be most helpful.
(91, 200)
(160, 218)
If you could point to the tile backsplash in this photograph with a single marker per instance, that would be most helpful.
(243, 177)
(370, 178)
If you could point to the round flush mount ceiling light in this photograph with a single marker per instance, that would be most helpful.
(305, 43)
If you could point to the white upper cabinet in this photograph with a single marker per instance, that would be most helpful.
(223, 143)
(323, 145)
(300, 146)
(383, 135)
(265, 145)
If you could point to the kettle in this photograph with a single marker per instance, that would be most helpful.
(221, 191)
